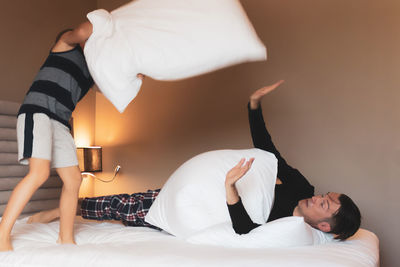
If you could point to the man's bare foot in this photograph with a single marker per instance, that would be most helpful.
(5, 244)
(44, 216)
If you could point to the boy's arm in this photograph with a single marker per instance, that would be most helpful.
(72, 38)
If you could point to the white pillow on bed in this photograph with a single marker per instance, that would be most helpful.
(166, 40)
(285, 232)
(194, 196)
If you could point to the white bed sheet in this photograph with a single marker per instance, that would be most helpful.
(108, 244)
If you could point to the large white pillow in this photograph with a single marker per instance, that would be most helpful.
(285, 232)
(194, 196)
(166, 40)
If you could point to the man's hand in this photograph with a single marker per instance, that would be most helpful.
(238, 171)
(255, 98)
(232, 177)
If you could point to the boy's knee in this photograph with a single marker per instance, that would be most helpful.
(39, 176)
(45, 173)
(73, 181)
(39, 170)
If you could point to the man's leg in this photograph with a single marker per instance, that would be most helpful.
(45, 216)
(130, 209)
(39, 170)
(71, 177)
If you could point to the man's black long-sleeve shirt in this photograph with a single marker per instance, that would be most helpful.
(294, 185)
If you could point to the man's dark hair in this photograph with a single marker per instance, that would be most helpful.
(61, 33)
(347, 220)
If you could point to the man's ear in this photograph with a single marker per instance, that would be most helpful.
(324, 227)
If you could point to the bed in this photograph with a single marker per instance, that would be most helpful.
(112, 244)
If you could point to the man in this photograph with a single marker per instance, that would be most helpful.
(294, 195)
(331, 212)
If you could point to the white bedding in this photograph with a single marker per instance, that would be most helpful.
(108, 244)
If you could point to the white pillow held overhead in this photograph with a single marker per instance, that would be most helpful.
(194, 196)
(166, 40)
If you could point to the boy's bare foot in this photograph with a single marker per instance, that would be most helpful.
(44, 216)
(63, 242)
(5, 244)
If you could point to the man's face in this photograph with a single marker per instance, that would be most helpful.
(318, 209)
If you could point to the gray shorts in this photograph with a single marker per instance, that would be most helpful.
(45, 138)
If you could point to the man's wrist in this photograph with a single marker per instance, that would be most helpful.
(232, 200)
(254, 104)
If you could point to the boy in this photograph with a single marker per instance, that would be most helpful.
(43, 131)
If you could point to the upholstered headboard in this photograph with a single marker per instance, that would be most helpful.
(11, 172)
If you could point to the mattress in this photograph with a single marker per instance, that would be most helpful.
(110, 244)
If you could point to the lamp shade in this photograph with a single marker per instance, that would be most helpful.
(90, 159)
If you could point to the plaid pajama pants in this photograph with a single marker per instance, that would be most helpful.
(130, 209)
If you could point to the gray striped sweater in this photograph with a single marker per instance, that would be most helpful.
(62, 81)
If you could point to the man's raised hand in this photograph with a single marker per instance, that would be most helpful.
(255, 97)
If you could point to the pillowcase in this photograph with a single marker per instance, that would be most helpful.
(194, 196)
(166, 40)
(285, 232)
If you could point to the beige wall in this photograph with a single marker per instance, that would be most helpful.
(336, 118)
